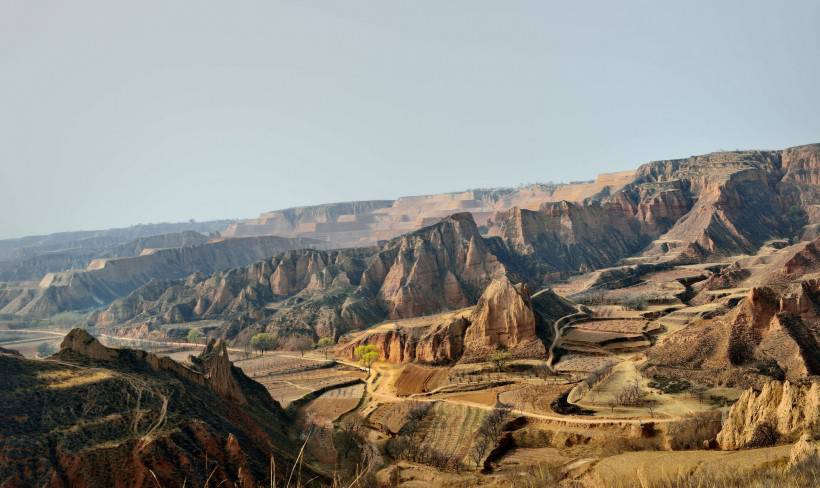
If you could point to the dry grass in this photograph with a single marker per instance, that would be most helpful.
(806, 474)
(63, 379)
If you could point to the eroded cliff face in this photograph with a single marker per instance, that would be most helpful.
(364, 223)
(734, 198)
(211, 368)
(566, 237)
(503, 319)
(779, 412)
(677, 211)
(97, 416)
(801, 183)
(445, 266)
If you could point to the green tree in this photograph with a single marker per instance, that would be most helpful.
(324, 344)
(500, 358)
(367, 355)
(194, 336)
(264, 341)
(46, 349)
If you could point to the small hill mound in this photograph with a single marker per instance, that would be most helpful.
(95, 416)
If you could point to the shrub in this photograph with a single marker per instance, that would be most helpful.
(264, 342)
(764, 435)
(194, 336)
(500, 359)
(770, 368)
(669, 385)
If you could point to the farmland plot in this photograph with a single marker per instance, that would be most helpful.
(275, 364)
(390, 416)
(450, 429)
(330, 405)
(290, 386)
(419, 379)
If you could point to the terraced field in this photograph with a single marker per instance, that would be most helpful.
(271, 364)
(419, 379)
(289, 386)
(581, 363)
(389, 416)
(625, 326)
(450, 428)
(598, 341)
(330, 405)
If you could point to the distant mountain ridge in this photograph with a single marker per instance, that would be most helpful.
(364, 223)
(671, 212)
(107, 279)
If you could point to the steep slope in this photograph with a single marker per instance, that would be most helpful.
(94, 416)
(735, 203)
(107, 279)
(801, 183)
(562, 238)
(444, 266)
(772, 323)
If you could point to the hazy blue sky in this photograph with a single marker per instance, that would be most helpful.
(115, 113)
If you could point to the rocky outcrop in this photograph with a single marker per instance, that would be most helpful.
(218, 371)
(503, 319)
(801, 183)
(211, 368)
(805, 449)
(506, 317)
(96, 416)
(81, 342)
(767, 328)
(779, 412)
(736, 204)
